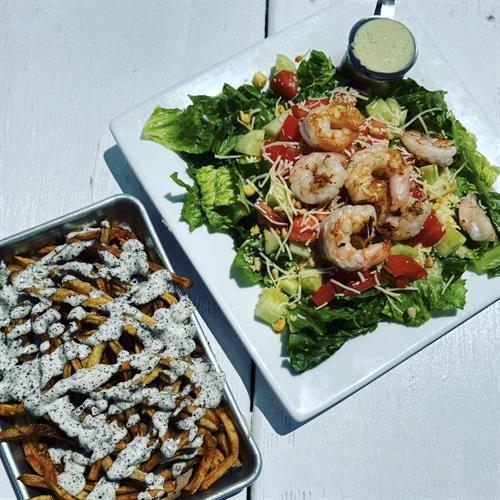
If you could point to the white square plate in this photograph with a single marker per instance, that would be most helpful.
(363, 358)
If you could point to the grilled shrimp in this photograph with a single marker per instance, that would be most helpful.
(332, 127)
(379, 176)
(408, 222)
(474, 220)
(318, 177)
(345, 237)
(436, 150)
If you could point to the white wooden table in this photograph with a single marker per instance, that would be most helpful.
(427, 429)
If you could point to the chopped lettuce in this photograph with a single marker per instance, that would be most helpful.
(247, 261)
(209, 124)
(477, 168)
(491, 201)
(316, 76)
(222, 198)
(315, 334)
(489, 261)
(181, 131)
(192, 211)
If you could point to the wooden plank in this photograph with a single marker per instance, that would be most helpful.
(67, 68)
(429, 427)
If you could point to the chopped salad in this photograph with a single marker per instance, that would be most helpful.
(346, 207)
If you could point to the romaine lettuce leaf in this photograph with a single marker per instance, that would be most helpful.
(191, 212)
(181, 131)
(316, 76)
(244, 261)
(489, 261)
(491, 201)
(315, 334)
(221, 196)
(477, 168)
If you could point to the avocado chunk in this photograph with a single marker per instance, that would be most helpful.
(251, 143)
(311, 281)
(430, 173)
(299, 250)
(284, 63)
(277, 195)
(271, 305)
(273, 128)
(400, 249)
(271, 242)
(289, 286)
(450, 243)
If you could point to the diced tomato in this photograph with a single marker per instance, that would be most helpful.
(401, 266)
(285, 84)
(328, 290)
(432, 232)
(325, 294)
(303, 232)
(270, 216)
(301, 110)
(274, 151)
(418, 193)
(370, 280)
(290, 130)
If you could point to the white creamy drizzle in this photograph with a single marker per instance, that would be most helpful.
(172, 337)
(41, 323)
(84, 268)
(157, 284)
(136, 452)
(72, 479)
(134, 419)
(82, 232)
(133, 260)
(21, 311)
(103, 490)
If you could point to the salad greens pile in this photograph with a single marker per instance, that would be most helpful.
(222, 137)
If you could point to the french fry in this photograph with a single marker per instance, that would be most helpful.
(34, 481)
(234, 441)
(11, 409)
(29, 431)
(42, 497)
(199, 476)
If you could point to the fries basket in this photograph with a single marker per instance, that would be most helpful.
(127, 209)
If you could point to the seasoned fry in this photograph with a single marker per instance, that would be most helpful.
(11, 410)
(34, 481)
(233, 439)
(204, 466)
(28, 431)
(103, 337)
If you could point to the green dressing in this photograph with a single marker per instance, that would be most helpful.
(384, 45)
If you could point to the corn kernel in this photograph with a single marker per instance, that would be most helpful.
(275, 273)
(245, 118)
(279, 325)
(281, 109)
(297, 204)
(257, 264)
(249, 190)
(254, 230)
(259, 80)
(292, 307)
(412, 312)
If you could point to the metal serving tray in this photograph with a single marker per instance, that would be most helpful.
(125, 208)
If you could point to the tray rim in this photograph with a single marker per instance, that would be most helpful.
(228, 397)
